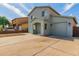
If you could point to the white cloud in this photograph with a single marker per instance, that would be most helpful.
(71, 15)
(14, 9)
(22, 5)
(68, 7)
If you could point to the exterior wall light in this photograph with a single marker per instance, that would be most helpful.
(69, 23)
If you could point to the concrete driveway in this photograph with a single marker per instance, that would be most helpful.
(25, 44)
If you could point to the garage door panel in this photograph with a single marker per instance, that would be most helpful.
(59, 29)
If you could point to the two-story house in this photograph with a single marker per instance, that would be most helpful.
(44, 20)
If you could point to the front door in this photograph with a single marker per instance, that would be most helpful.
(37, 28)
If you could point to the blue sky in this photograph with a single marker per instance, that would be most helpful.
(15, 10)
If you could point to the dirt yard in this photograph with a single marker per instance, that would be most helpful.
(25, 44)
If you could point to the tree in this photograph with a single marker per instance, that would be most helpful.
(4, 21)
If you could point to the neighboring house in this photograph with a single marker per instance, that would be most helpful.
(20, 23)
(44, 20)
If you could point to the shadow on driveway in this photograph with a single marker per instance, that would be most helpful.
(62, 38)
(12, 34)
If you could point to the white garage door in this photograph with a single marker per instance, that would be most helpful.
(59, 29)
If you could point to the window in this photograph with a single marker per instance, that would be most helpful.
(43, 13)
(31, 17)
(51, 25)
(45, 26)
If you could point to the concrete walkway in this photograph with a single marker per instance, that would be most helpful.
(25, 44)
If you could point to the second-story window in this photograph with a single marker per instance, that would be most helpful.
(31, 17)
(43, 13)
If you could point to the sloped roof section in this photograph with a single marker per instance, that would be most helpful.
(21, 20)
(43, 7)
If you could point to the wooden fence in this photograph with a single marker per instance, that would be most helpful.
(76, 31)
